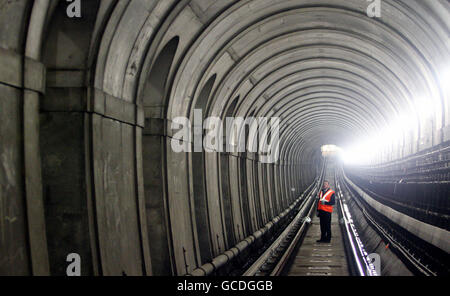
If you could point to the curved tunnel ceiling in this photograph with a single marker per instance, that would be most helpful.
(328, 70)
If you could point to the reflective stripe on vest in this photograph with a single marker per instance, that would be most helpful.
(327, 198)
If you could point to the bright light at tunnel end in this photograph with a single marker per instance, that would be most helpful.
(417, 115)
(366, 150)
(346, 156)
(330, 150)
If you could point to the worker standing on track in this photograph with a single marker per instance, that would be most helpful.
(324, 211)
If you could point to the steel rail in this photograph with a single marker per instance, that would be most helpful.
(281, 265)
(226, 257)
(277, 257)
(282, 241)
(406, 255)
(358, 255)
(285, 241)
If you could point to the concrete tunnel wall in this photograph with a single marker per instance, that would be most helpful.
(87, 104)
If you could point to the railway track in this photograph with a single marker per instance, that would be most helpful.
(281, 255)
(293, 252)
(421, 257)
(273, 261)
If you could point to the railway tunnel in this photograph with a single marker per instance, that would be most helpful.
(117, 145)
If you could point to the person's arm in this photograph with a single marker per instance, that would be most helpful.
(331, 202)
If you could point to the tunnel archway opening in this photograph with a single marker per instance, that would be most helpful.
(154, 100)
(248, 180)
(331, 150)
(232, 215)
(64, 140)
(207, 239)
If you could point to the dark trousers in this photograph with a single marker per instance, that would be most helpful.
(325, 225)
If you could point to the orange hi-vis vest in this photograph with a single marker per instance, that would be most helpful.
(327, 198)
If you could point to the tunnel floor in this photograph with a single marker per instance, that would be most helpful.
(322, 259)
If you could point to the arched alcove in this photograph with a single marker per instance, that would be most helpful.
(202, 216)
(154, 101)
(64, 138)
(230, 207)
